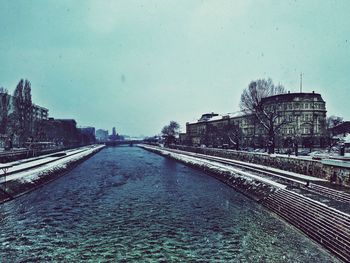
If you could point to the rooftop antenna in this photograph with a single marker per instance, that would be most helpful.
(301, 82)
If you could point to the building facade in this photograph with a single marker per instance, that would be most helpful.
(11, 129)
(101, 135)
(62, 132)
(87, 135)
(38, 112)
(300, 118)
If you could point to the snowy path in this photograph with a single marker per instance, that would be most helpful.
(46, 164)
(216, 165)
(268, 168)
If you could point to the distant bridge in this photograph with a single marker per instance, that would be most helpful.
(124, 142)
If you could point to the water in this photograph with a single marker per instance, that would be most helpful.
(126, 204)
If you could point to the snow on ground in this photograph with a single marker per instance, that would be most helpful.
(41, 156)
(24, 164)
(218, 166)
(271, 169)
(35, 173)
(347, 138)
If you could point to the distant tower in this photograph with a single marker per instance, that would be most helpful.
(114, 132)
(301, 82)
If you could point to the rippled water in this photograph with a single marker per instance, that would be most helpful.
(125, 204)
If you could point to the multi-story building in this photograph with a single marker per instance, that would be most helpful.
(101, 135)
(304, 115)
(40, 113)
(60, 131)
(9, 120)
(299, 118)
(87, 135)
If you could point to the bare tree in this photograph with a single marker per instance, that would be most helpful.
(23, 107)
(4, 109)
(3, 90)
(268, 115)
(333, 121)
(234, 134)
(28, 108)
(210, 136)
(170, 132)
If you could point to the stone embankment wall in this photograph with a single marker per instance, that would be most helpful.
(340, 175)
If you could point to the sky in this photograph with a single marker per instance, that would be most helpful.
(137, 65)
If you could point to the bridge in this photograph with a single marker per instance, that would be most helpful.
(122, 142)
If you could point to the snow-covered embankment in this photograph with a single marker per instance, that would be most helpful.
(325, 225)
(23, 177)
(249, 184)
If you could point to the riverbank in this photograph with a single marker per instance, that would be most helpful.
(20, 154)
(327, 226)
(337, 171)
(26, 175)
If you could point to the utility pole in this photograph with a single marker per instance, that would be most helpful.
(301, 82)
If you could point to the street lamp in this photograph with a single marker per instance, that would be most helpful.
(4, 168)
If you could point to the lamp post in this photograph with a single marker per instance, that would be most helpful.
(296, 131)
(4, 168)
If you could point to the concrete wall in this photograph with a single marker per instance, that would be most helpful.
(340, 175)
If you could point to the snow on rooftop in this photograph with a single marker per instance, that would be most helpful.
(220, 117)
(347, 138)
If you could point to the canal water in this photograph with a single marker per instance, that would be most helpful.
(128, 205)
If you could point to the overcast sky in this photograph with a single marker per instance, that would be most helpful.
(137, 65)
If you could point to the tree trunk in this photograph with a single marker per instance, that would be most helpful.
(271, 142)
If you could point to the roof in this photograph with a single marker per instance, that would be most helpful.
(341, 128)
(40, 107)
(218, 117)
(347, 138)
(291, 96)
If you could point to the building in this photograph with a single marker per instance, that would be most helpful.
(10, 129)
(115, 136)
(341, 129)
(102, 135)
(60, 131)
(87, 135)
(232, 129)
(300, 118)
(40, 113)
(340, 134)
